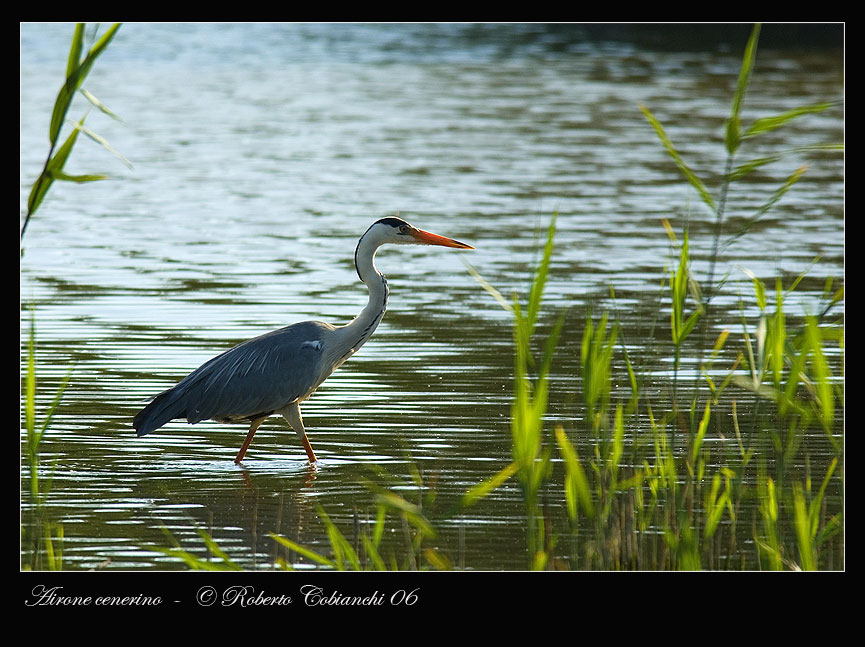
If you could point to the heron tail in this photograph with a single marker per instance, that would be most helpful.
(164, 408)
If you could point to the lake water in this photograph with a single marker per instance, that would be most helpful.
(261, 152)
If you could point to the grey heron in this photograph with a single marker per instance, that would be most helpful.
(277, 371)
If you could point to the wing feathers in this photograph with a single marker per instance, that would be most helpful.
(258, 376)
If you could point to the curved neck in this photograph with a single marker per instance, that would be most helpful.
(356, 332)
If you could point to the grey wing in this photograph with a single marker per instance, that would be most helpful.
(253, 379)
(258, 376)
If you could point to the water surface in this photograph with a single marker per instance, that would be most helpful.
(261, 152)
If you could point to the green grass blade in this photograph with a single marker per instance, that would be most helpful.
(483, 489)
(437, 560)
(38, 192)
(715, 507)
(193, 561)
(733, 137)
(500, 299)
(776, 196)
(104, 143)
(214, 548)
(411, 512)
(577, 490)
(378, 529)
(74, 60)
(76, 73)
(30, 383)
(767, 124)
(746, 168)
(49, 413)
(342, 548)
(80, 179)
(617, 448)
(801, 524)
(540, 280)
(822, 374)
(58, 160)
(814, 508)
(302, 550)
(683, 167)
(99, 105)
(779, 335)
(372, 552)
(73, 78)
(53, 167)
(701, 433)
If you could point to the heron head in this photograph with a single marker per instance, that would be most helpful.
(397, 231)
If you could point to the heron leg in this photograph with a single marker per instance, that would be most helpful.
(252, 429)
(291, 413)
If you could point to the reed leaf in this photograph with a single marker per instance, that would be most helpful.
(409, 510)
(715, 505)
(822, 374)
(302, 550)
(98, 104)
(768, 508)
(700, 435)
(215, 550)
(814, 509)
(596, 353)
(802, 526)
(437, 560)
(767, 124)
(372, 552)
(378, 529)
(765, 207)
(777, 336)
(677, 158)
(578, 493)
(76, 71)
(35, 433)
(53, 166)
(500, 299)
(104, 143)
(681, 284)
(483, 489)
(742, 170)
(193, 561)
(77, 45)
(342, 549)
(733, 137)
(617, 448)
(541, 274)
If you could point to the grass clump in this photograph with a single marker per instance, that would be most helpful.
(42, 539)
(695, 485)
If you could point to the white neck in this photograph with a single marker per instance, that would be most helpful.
(355, 333)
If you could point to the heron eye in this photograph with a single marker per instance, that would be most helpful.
(404, 229)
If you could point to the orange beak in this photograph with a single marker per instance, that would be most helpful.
(426, 238)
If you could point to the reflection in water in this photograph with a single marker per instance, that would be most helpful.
(279, 468)
(252, 180)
